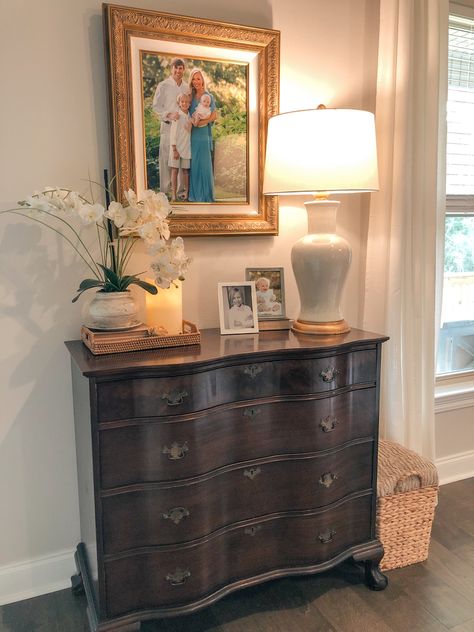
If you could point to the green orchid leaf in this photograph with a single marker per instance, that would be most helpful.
(111, 277)
(125, 282)
(111, 287)
(86, 284)
(148, 287)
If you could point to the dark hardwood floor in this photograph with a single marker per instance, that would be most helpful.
(434, 596)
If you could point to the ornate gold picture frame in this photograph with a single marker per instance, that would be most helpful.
(153, 58)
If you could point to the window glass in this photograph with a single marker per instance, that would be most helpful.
(456, 340)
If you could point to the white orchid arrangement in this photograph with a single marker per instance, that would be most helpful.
(118, 227)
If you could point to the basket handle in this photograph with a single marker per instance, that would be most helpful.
(407, 475)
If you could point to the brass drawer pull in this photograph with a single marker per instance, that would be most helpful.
(252, 371)
(252, 412)
(176, 514)
(328, 423)
(327, 479)
(178, 577)
(176, 451)
(329, 374)
(175, 397)
(252, 530)
(326, 536)
(252, 472)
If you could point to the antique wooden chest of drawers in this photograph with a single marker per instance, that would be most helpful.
(209, 468)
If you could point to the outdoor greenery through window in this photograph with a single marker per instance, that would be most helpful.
(456, 340)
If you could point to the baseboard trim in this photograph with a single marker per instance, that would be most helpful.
(456, 467)
(36, 577)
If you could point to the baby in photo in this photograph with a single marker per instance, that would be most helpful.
(266, 299)
(203, 109)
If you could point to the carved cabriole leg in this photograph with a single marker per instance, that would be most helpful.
(77, 585)
(371, 556)
(374, 578)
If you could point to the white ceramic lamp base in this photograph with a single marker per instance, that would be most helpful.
(320, 262)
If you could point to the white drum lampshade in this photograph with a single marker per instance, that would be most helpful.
(318, 152)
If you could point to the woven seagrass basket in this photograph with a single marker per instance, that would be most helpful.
(407, 493)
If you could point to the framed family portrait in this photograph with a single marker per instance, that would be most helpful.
(189, 103)
(237, 307)
(270, 291)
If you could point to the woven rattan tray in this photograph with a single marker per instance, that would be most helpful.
(138, 339)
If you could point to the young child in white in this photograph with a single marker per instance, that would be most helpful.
(266, 299)
(180, 146)
(240, 315)
(203, 109)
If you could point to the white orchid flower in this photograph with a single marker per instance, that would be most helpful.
(116, 213)
(56, 197)
(73, 203)
(148, 232)
(156, 204)
(38, 202)
(146, 218)
(155, 247)
(91, 213)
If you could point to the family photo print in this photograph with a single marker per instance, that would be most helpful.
(190, 100)
(195, 119)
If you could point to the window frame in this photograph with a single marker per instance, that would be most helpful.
(455, 390)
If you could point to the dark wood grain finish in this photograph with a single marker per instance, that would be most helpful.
(148, 397)
(231, 455)
(297, 484)
(263, 429)
(215, 350)
(277, 544)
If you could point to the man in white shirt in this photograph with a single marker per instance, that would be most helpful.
(166, 106)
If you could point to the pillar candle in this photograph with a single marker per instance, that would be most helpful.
(166, 308)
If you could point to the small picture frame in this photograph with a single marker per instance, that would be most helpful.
(237, 307)
(269, 290)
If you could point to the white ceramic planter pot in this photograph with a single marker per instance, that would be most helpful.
(111, 310)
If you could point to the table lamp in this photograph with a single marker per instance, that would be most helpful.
(319, 152)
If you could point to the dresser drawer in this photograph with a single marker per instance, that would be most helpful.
(176, 449)
(167, 396)
(178, 513)
(184, 574)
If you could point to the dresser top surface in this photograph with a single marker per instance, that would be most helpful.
(215, 347)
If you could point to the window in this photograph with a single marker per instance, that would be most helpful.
(456, 340)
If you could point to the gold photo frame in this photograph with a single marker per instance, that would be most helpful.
(239, 68)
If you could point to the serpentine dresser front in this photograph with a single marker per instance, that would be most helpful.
(209, 468)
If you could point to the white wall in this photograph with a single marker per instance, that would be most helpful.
(54, 131)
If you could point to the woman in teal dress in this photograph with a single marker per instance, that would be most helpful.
(201, 181)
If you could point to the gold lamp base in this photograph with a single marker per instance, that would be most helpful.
(332, 327)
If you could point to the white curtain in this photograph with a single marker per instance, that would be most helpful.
(406, 215)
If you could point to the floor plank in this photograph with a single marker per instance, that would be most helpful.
(435, 596)
(468, 626)
(354, 615)
(400, 609)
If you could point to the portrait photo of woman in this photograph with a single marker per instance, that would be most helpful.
(201, 184)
